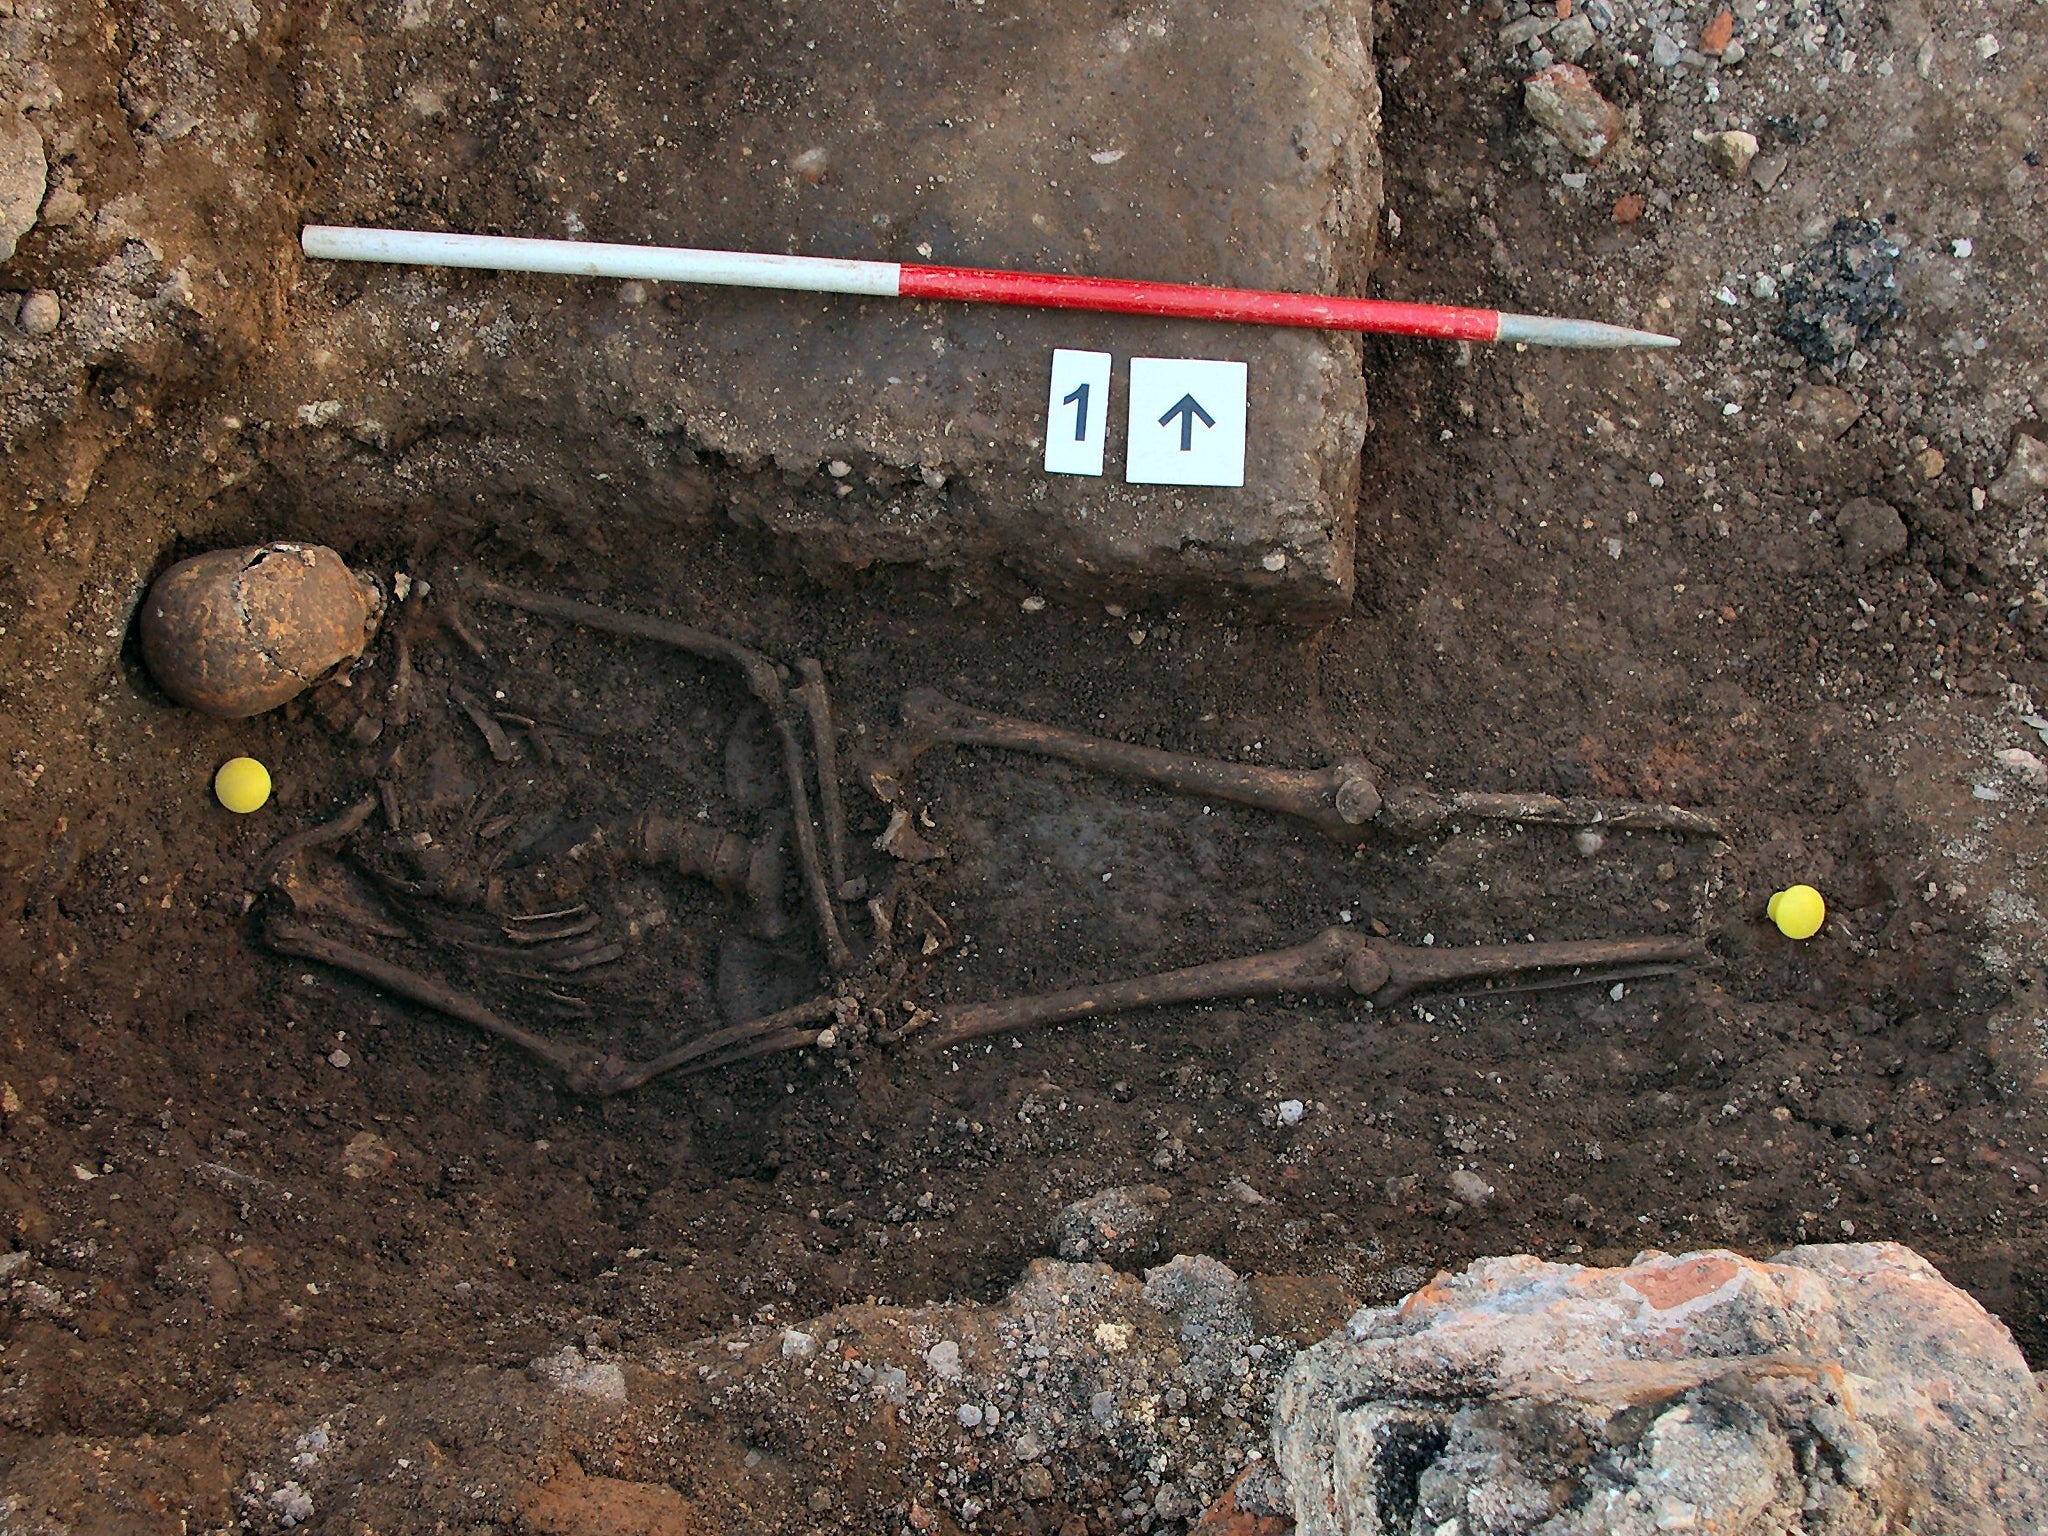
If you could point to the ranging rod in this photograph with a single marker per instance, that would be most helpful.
(973, 285)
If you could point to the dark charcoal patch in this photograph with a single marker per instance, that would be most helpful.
(1842, 292)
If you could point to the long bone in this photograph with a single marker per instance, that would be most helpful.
(1341, 801)
(1335, 960)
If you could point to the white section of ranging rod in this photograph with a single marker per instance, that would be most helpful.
(1544, 331)
(590, 258)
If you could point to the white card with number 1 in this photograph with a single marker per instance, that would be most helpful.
(1077, 413)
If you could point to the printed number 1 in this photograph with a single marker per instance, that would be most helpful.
(1079, 383)
(1079, 401)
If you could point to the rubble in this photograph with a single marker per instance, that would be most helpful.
(24, 177)
(1564, 99)
(1872, 531)
(1845, 1388)
(1112, 1224)
(2025, 474)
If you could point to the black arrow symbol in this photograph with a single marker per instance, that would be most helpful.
(1187, 408)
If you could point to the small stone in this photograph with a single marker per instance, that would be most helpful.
(338, 1058)
(567, 1371)
(1765, 170)
(1872, 531)
(1731, 152)
(62, 206)
(2025, 475)
(798, 1345)
(943, 1360)
(1589, 841)
(811, 166)
(1036, 1483)
(2026, 765)
(1033, 604)
(1629, 207)
(970, 1416)
(292, 1505)
(1718, 33)
(1929, 463)
(1111, 1225)
(1665, 52)
(1525, 29)
(24, 177)
(1734, 54)
(1573, 38)
(1468, 1187)
(1821, 413)
(366, 1156)
(1289, 1111)
(1564, 100)
(1169, 1503)
(41, 314)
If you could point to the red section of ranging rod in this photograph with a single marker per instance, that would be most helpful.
(1186, 302)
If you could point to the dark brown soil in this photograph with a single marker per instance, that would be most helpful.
(174, 1087)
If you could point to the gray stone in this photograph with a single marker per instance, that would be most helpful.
(1665, 51)
(1574, 37)
(24, 177)
(568, 1371)
(1469, 1187)
(1765, 170)
(2025, 475)
(1112, 1224)
(943, 1360)
(1872, 531)
(1840, 1388)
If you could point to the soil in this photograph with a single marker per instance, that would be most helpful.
(251, 1191)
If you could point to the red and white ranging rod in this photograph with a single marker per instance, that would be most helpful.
(977, 285)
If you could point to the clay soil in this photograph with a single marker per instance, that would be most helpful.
(174, 1088)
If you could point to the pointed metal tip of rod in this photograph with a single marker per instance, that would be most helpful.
(1544, 331)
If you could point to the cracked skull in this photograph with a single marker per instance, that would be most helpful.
(238, 631)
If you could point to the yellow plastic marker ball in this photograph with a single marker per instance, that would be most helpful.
(1798, 911)
(243, 785)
